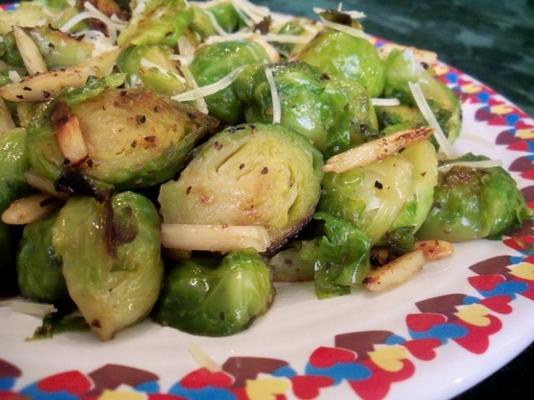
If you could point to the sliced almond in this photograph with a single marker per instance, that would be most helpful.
(434, 249)
(70, 140)
(43, 184)
(31, 56)
(29, 209)
(396, 272)
(6, 122)
(41, 87)
(223, 238)
(376, 150)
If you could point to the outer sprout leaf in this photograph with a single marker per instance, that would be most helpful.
(206, 298)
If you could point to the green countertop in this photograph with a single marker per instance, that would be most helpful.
(491, 40)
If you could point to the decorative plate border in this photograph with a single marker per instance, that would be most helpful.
(369, 361)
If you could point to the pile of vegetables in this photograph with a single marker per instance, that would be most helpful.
(173, 159)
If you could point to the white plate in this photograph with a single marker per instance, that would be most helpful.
(445, 330)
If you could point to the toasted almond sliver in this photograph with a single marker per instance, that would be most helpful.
(6, 122)
(71, 142)
(28, 209)
(214, 237)
(396, 272)
(376, 150)
(41, 87)
(31, 56)
(43, 184)
(434, 249)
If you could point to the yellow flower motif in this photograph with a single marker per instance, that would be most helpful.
(523, 271)
(266, 388)
(441, 70)
(121, 395)
(525, 133)
(474, 314)
(471, 88)
(389, 358)
(501, 109)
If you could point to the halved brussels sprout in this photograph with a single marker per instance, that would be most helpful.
(153, 65)
(205, 297)
(474, 203)
(134, 138)
(371, 197)
(343, 56)
(59, 49)
(401, 68)
(333, 114)
(111, 259)
(424, 159)
(215, 61)
(161, 22)
(38, 265)
(293, 27)
(13, 164)
(259, 174)
(398, 118)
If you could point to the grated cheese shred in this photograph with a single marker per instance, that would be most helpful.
(275, 97)
(210, 89)
(443, 143)
(200, 356)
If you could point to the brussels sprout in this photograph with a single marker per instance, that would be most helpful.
(111, 259)
(337, 260)
(161, 22)
(423, 157)
(293, 27)
(134, 138)
(333, 114)
(206, 298)
(261, 175)
(402, 68)
(347, 57)
(371, 197)
(152, 64)
(474, 203)
(201, 22)
(38, 265)
(398, 118)
(217, 60)
(293, 264)
(13, 163)
(226, 15)
(10, 54)
(26, 15)
(59, 49)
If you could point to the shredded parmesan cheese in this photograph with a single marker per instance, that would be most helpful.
(113, 25)
(275, 97)
(28, 307)
(185, 48)
(14, 76)
(208, 90)
(385, 102)
(150, 65)
(101, 43)
(483, 164)
(444, 145)
(200, 103)
(203, 359)
(254, 12)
